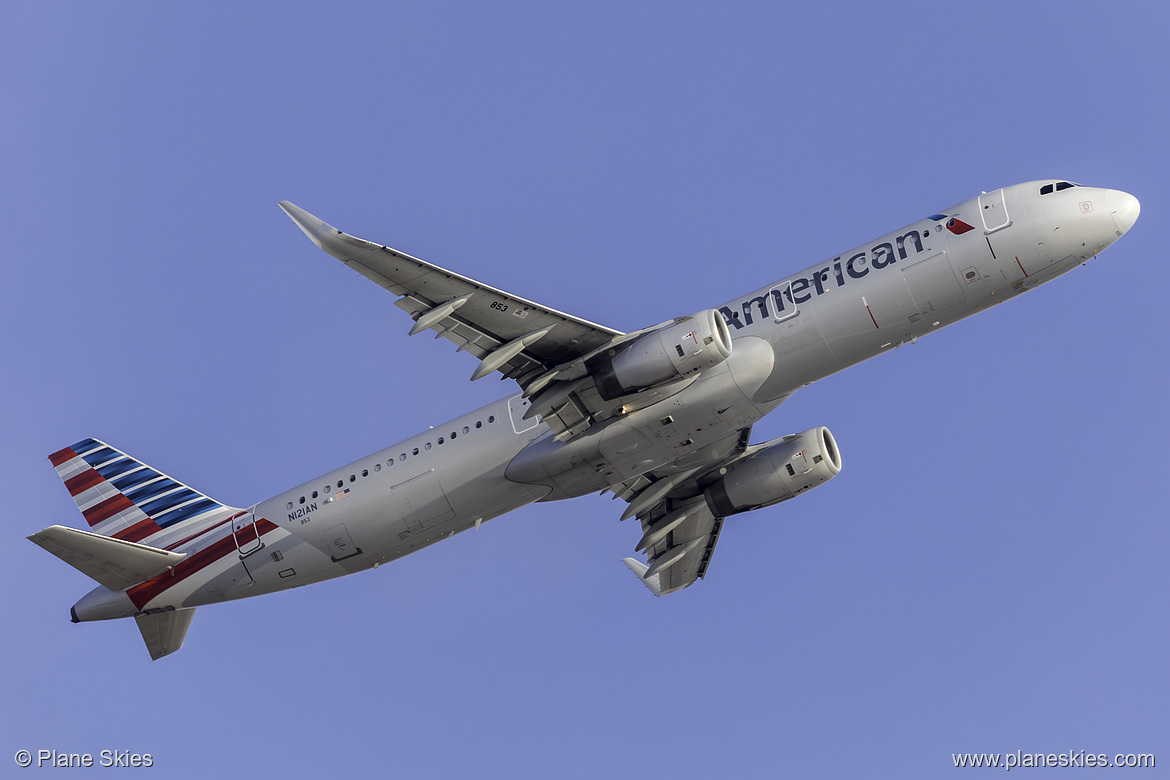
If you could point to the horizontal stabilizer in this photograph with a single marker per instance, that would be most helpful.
(164, 632)
(112, 562)
(639, 569)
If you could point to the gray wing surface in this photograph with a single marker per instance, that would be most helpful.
(679, 530)
(521, 339)
(683, 555)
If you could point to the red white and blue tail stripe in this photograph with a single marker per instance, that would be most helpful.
(124, 498)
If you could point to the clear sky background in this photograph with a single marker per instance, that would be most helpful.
(988, 574)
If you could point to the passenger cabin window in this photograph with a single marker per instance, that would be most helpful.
(465, 430)
(377, 467)
(314, 494)
(302, 500)
(352, 478)
(340, 482)
(365, 472)
(326, 488)
(479, 423)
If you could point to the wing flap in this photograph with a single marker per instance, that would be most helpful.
(693, 565)
(115, 563)
(693, 542)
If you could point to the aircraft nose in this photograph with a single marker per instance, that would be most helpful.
(1125, 209)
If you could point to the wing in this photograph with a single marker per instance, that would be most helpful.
(682, 555)
(679, 530)
(546, 351)
(520, 339)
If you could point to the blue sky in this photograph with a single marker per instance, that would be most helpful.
(988, 573)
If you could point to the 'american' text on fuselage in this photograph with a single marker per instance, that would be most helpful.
(797, 290)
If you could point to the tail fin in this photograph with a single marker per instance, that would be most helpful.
(124, 498)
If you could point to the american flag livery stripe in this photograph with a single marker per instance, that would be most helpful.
(138, 531)
(126, 499)
(82, 482)
(206, 529)
(143, 593)
(107, 509)
(62, 456)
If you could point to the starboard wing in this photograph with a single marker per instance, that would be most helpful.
(478, 318)
(539, 347)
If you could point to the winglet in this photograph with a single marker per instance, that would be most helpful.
(653, 584)
(317, 230)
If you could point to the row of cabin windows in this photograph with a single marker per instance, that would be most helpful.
(378, 466)
(1060, 185)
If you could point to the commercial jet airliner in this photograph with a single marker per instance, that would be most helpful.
(660, 417)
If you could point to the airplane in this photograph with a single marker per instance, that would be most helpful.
(660, 417)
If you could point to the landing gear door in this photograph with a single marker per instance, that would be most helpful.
(246, 534)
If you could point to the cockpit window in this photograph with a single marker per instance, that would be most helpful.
(1060, 185)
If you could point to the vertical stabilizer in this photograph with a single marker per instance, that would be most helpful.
(124, 498)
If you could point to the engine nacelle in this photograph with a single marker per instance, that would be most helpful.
(777, 473)
(684, 348)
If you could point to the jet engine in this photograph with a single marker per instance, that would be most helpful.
(681, 349)
(781, 470)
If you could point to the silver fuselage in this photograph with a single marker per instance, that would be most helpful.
(786, 335)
